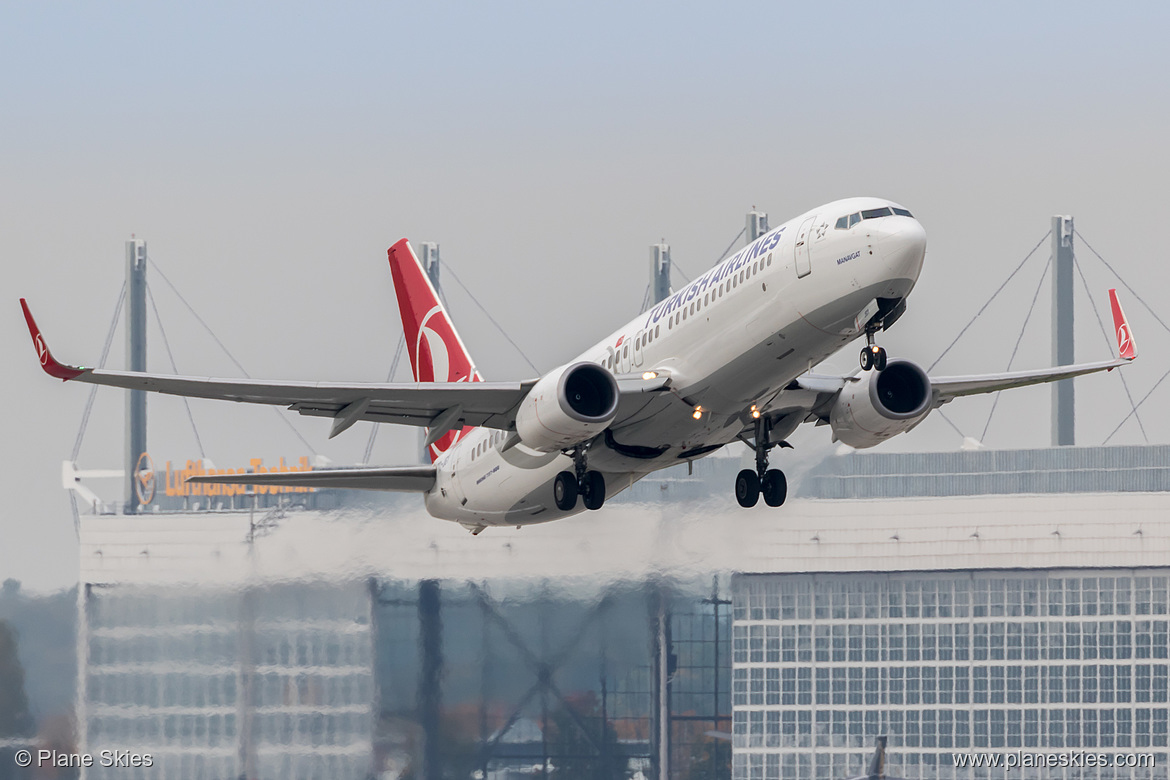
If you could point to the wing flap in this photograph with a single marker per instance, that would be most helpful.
(411, 479)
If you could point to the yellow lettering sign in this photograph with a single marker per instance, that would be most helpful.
(177, 485)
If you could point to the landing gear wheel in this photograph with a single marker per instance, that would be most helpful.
(866, 358)
(774, 487)
(565, 491)
(879, 358)
(593, 490)
(747, 488)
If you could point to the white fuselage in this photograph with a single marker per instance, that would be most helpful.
(731, 342)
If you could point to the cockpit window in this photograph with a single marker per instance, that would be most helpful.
(844, 223)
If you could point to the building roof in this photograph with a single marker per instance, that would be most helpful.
(634, 541)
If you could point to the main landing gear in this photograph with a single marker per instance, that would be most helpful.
(772, 483)
(872, 356)
(590, 485)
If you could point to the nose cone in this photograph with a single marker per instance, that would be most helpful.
(902, 244)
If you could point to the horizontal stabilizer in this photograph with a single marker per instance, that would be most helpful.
(410, 479)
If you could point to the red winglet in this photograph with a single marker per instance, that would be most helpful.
(51, 366)
(1126, 348)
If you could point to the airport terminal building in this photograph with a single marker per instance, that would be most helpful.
(1034, 621)
(1015, 617)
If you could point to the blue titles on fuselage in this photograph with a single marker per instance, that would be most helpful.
(848, 257)
(759, 247)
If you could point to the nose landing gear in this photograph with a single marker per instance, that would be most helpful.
(772, 483)
(872, 356)
(590, 485)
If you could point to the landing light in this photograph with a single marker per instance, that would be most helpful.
(698, 413)
(755, 412)
(649, 375)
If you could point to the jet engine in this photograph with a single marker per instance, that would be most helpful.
(881, 404)
(567, 406)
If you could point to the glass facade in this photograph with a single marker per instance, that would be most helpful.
(265, 682)
(949, 665)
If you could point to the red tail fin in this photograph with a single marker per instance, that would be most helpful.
(437, 354)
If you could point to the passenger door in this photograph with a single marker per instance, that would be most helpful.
(802, 248)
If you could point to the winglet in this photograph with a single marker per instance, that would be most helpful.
(1126, 348)
(51, 366)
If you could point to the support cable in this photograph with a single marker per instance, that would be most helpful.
(175, 368)
(1154, 314)
(734, 241)
(1109, 342)
(475, 300)
(389, 375)
(101, 364)
(989, 300)
(1016, 348)
(1131, 291)
(646, 297)
(951, 423)
(226, 351)
(1134, 410)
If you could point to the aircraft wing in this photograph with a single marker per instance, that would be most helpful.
(414, 479)
(812, 395)
(440, 406)
(820, 390)
(490, 404)
(947, 388)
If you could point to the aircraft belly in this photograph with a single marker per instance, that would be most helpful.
(516, 488)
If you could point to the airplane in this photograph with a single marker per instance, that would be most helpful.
(727, 358)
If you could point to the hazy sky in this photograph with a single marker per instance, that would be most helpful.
(269, 153)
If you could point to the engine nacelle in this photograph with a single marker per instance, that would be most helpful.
(881, 404)
(567, 406)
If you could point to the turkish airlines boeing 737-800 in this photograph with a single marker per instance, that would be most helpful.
(726, 358)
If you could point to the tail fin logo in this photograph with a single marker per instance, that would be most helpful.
(1124, 340)
(434, 361)
(42, 350)
(431, 354)
(434, 344)
(1126, 348)
(437, 354)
